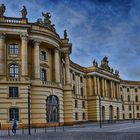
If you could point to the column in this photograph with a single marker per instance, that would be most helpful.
(24, 55)
(36, 60)
(95, 85)
(118, 90)
(67, 68)
(111, 89)
(106, 92)
(2, 54)
(57, 65)
(98, 86)
(103, 87)
(89, 86)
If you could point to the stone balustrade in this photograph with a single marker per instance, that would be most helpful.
(13, 20)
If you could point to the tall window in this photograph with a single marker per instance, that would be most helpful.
(84, 116)
(81, 91)
(129, 107)
(130, 115)
(14, 114)
(137, 107)
(127, 89)
(128, 97)
(74, 89)
(13, 91)
(81, 79)
(73, 76)
(43, 75)
(76, 103)
(43, 55)
(14, 71)
(83, 104)
(136, 90)
(136, 98)
(52, 106)
(13, 49)
(76, 116)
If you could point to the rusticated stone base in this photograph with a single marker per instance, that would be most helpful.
(33, 125)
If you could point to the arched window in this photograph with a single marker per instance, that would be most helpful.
(103, 113)
(128, 97)
(110, 112)
(52, 107)
(14, 71)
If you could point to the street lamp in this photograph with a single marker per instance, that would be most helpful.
(29, 123)
(133, 113)
(100, 113)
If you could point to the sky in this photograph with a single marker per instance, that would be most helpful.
(96, 28)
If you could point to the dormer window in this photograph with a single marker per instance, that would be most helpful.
(43, 55)
(13, 49)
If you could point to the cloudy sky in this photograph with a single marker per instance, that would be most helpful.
(96, 28)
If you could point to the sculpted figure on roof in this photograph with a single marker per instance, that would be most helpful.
(46, 18)
(65, 34)
(24, 12)
(104, 64)
(2, 10)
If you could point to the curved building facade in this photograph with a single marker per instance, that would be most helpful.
(34, 59)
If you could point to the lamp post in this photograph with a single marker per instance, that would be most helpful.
(29, 123)
(100, 112)
(133, 113)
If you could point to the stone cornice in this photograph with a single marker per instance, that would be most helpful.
(130, 83)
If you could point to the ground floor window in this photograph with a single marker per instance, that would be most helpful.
(13, 91)
(84, 116)
(14, 114)
(52, 106)
(123, 116)
(130, 115)
(76, 116)
(138, 115)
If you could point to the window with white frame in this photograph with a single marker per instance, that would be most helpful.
(13, 91)
(14, 71)
(13, 49)
(13, 114)
(43, 75)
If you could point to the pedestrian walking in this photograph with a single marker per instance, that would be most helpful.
(14, 126)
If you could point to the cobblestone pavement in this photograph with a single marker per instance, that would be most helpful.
(91, 131)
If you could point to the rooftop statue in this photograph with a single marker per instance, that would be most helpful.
(104, 64)
(46, 18)
(24, 12)
(116, 72)
(2, 10)
(65, 34)
(95, 63)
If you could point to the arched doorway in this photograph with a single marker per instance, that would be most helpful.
(110, 112)
(118, 113)
(52, 106)
(103, 113)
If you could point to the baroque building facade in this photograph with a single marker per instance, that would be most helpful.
(34, 57)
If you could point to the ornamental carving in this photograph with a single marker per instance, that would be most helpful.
(46, 22)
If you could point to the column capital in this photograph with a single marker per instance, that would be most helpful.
(2, 35)
(37, 42)
(24, 36)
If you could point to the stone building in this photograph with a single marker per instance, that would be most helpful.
(34, 58)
